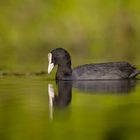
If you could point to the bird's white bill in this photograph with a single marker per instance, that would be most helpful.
(50, 65)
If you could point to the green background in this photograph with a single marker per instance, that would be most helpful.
(91, 30)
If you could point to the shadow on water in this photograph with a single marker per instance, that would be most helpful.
(62, 98)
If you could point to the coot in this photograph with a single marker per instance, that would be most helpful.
(110, 70)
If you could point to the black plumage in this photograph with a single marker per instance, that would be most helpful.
(109, 70)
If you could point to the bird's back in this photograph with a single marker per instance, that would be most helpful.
(111, 70)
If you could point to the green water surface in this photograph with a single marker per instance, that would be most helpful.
(25, 112)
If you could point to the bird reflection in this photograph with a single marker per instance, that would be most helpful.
(105, 86)
(63, 97)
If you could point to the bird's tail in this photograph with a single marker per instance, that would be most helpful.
(134, 74)
(138, 72)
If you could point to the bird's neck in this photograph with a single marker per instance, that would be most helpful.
(64, 72)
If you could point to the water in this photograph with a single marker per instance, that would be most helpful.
(35, 108)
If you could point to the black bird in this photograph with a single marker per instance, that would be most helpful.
(110, 70)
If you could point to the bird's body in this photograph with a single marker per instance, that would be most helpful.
(109, 70)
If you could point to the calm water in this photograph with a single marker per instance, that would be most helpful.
(39, 109)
